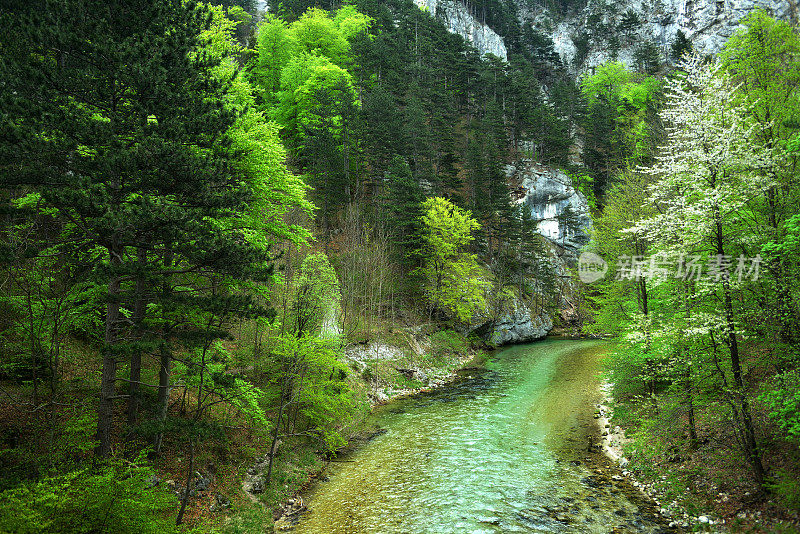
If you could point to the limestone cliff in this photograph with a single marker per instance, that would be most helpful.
(595, 35)
(457, 18)
(562, 212)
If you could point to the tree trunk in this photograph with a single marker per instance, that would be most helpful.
(136, 357)
(187, 490)
(164, 368)
(163, 395)
(690, 406)
(105, 410)
(783, 298)
(749, 442)
(275, 437)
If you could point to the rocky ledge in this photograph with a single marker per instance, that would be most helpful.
(519, 325)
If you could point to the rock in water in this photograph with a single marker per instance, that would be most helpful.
(519, 326)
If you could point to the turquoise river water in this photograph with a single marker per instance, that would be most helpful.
(506, 448)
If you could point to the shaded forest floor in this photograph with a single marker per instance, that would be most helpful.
(711, 478)
(59, 435)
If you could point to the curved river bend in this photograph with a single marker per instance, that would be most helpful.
(506, 449)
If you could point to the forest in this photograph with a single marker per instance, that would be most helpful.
(207, 209)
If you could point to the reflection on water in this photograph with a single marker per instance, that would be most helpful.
(504, 450)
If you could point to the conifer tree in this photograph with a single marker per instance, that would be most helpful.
(114, 117)
(404, 198)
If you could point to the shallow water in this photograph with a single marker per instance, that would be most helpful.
(504, 450)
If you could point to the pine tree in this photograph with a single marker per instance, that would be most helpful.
(114, 117)
(680, 47)
(404, 198)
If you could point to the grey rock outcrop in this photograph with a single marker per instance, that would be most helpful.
(562, 212)
(707, 23)
(519, 325)
(457, 18)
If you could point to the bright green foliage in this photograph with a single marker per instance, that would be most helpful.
(625, 202)
(275, 190)
(448, 343)
(783, 398)
(249, 400)
(621, 108)
(317, 386)
(315, 33)
(302, 70)
(605, 83)
(316, 297)
(350, 22)
(116, 498)
(764, 56)
(453, 280)
(326, 399)
(275, 49)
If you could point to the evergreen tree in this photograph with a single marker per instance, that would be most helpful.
(680, 47)
(114, 117)
(648, 58)
(404, 198)
(382, 122)
(629, 23)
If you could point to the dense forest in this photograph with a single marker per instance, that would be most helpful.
(701, 235)
(206, 207)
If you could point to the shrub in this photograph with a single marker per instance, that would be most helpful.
(448, 343)
(783, 399)
(116, 498)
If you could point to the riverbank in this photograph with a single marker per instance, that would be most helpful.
(414, 364)
(704, 481)
(524, 419)
(612, 443)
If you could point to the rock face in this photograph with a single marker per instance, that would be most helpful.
(707, 23)
(457, 18)
(562, 211)
(519, 325)
(361, 354)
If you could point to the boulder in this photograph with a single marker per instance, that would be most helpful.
(255, 485)
(517, 325)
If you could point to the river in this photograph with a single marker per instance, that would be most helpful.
(505, 449)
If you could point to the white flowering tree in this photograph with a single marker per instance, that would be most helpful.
(708, 175)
